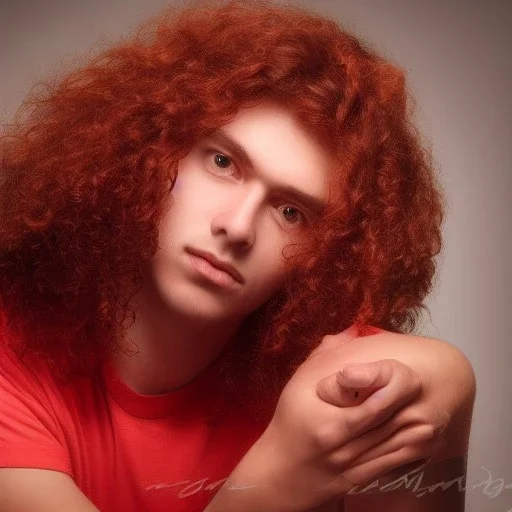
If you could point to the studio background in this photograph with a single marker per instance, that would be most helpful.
(457, 57)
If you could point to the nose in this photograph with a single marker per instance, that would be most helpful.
(237, 217)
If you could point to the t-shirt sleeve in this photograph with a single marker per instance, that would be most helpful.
(31, 435)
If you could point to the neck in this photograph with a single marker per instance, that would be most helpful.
(165, 348)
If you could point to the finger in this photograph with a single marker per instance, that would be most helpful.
(422, 413)
(352, 385)
(356, 448)
(370, 471)
(335, 391)
(408, 426)
(376, 374)
(402, 385)
(409, 435)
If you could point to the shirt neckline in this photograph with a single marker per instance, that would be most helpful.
(196, 398)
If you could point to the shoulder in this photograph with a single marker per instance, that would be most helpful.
(31, 377)
(30, 389)
(437, 362)
(413, 350)
(446, 373)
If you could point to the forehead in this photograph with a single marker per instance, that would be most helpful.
(278, 148)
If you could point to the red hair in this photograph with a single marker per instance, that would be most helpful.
(83, 182)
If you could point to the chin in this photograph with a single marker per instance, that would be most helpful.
(199, 303)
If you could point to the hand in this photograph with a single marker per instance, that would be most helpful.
(409, 435)
(445, 404)
(309, 444)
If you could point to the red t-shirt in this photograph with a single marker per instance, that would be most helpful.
(125, 451)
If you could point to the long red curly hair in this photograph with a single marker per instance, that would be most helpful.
(85, 176)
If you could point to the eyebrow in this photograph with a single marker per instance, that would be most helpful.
(312, 203)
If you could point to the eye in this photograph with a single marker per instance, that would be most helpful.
(221, 165)
(292, 215)
(221, 160)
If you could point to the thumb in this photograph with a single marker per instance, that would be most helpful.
(339, 391)
(354, 383)
(361, 375)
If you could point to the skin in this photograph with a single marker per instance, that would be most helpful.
(242, 214)
(336, 448)
(246, 215)
(444, 404)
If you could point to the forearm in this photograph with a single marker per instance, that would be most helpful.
(262, 482)
(252, 486)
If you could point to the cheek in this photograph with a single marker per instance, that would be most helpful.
(278, 263)
(278, 247)
(271, 268)
(194, 195)
(187, 203)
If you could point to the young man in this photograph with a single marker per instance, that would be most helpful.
(182, 223)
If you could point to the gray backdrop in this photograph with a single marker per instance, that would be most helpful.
(457, 57)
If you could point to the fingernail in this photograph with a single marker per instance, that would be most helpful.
(361, 374)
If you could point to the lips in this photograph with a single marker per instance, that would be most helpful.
(215, 262)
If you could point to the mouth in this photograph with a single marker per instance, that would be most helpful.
(219, 271)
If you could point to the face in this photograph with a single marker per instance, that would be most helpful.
(243, 197)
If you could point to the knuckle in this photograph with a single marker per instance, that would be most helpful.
(343, 458)
(396, 370)
(418, 434)
(430, 432)
(327, 436)
(434, 418)
(388, 365)
(422, 449)
(352, 426)
(416, 383)
(419, 412)
(410, 380)
(395, 364)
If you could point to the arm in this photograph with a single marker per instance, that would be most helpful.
(40, 490)
(297, 462)
(449, 387)
(34, 462)
(450, 384)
